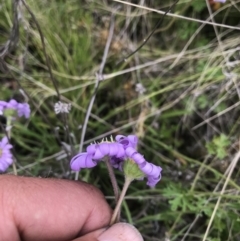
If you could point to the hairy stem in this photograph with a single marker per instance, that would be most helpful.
(120, 200)
(112, 178)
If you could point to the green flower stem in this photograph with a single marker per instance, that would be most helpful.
(8, 126)
(120, 200)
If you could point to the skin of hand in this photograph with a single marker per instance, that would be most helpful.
(38, 209)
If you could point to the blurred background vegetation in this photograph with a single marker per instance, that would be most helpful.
(180, 94)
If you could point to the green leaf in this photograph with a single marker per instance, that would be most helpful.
(218, 146)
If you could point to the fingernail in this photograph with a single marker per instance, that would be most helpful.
(121, 232)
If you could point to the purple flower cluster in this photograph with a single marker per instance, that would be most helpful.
(22, 109)
(5, 155)
(122, 150)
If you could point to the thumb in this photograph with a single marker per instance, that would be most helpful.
(117, 232)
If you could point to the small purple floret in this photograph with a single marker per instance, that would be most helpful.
(5, 155)
(116, 162)
(22, 109)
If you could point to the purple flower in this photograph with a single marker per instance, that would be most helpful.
(12, 104)
(121, 151)
(22, 109)
(219, 1)
(5, 155)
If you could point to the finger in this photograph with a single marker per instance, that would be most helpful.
(117, 232)
(92, 236)
(49, 209)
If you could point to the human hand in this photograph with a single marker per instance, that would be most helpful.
(37, 209)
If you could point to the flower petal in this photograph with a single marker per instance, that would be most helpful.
(130, 151)
(4, 141)
(146, 168)
(121, 152)
(91, 149)
(3, 103)
(113, 149)
(98, 154)
(122, 140)
(116, 162)
(12, 104)
(3, 166)
(82, 160)
(8, 159)
(104, 148)
(150, 169)
(133, 139)
(153, 181)
(23, 110)
(119, 137)
(8, 146)
(138, 158)
(89, 162)
(129, 141)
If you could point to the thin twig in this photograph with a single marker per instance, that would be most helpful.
(216, 116)
(120, 200)
(150, 35)
(98, 80)
(183, 17)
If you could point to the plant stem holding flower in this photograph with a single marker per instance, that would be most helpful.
(120, 154)
(117, 209)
